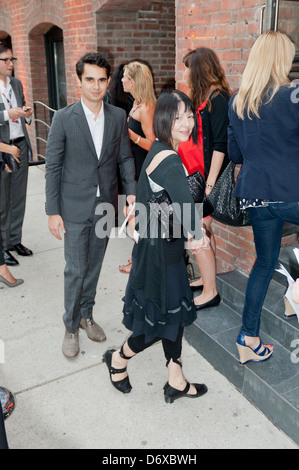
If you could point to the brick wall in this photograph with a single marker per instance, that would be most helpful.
(122, 30)
(141, 32)
(229, 27)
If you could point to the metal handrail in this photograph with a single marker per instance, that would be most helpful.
(45, 106)
(41, 158)
(43, 122)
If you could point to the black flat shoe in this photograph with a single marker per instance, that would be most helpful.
(123, 385)
(196, 288)
(171, 394)
(211, 303)
(9, 259)
(21, 250)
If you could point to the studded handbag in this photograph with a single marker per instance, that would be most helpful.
(226, 205)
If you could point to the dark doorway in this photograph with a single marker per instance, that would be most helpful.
(55, 68)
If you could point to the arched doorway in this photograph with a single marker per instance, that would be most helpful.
(48, 78)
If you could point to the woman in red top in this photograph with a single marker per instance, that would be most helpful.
(210, 93)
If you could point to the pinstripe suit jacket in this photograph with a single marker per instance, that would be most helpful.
(73, 170)
(4, 125)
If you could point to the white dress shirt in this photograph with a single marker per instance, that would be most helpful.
(9, 100)
(96, 127)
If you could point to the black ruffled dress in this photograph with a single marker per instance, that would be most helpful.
(158, 299)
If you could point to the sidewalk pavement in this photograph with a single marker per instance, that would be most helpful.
(70, 404)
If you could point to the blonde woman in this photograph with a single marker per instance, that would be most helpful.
(263, 136)
(210, 93)
(138, 81)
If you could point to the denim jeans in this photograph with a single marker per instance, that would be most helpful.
(267, 223)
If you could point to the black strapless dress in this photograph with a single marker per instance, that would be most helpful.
(138, 152)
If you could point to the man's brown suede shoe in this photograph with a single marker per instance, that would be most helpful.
(93, 330)
(70, 345)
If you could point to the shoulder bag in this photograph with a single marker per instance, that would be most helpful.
(226, 205)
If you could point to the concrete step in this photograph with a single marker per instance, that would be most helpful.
(273, 387)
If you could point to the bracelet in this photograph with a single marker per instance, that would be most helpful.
(138, 139)
(209, 185)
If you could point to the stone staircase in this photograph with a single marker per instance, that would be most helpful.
(273, 386)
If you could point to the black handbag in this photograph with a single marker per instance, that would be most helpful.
(197, 186)
(226, 205)
(162, 209)
(8, 160)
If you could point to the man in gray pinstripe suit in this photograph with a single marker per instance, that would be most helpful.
(87, 141)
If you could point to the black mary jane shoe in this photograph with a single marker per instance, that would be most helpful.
(123, 385)
(211, 303)
(171, 394)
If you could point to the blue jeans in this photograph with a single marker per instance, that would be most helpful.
(267, 223)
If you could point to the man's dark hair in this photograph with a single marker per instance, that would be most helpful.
(93, 58)
(4, 47)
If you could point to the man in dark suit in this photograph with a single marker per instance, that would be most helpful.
(13, 118)
(86, 143)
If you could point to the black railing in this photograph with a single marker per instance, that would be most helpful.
(43, 116)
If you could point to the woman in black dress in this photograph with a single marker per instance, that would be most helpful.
(138, 81)
(209, 92)
(158, 303)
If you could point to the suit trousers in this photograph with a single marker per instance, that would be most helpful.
(84, 254)
(13, 200)
(2, 262)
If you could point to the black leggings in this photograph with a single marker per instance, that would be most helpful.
(172, 349)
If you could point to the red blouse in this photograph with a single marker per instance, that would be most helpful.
(191, 154)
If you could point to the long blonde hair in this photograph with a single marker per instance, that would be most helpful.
(143, 89)
(267, 69)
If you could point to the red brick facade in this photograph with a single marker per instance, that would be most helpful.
(160, 31)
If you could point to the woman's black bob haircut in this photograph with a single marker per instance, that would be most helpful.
(166, 112)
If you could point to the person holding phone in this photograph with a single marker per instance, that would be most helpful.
(14, 115)
(5, 275)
